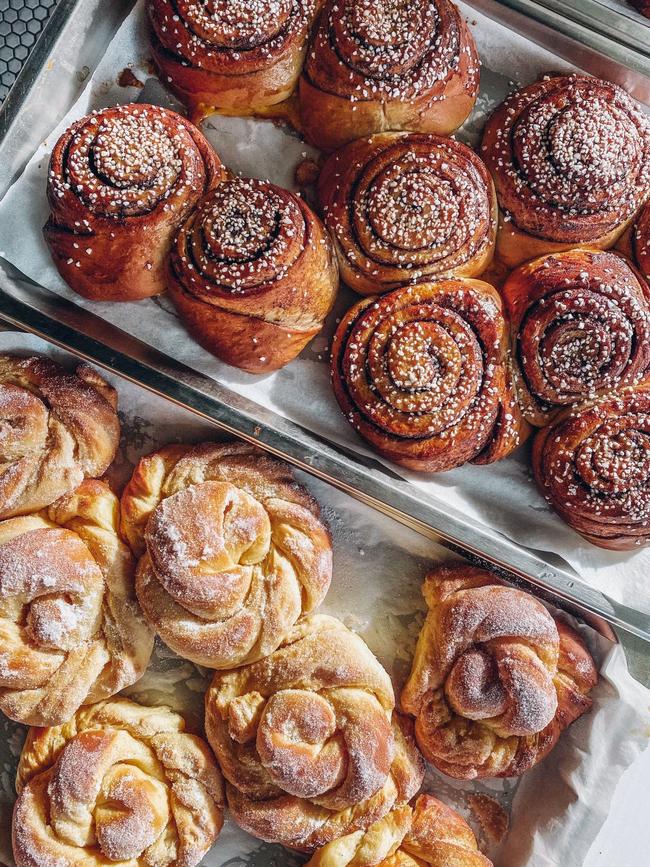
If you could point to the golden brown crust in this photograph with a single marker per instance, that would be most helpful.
(307, 740)
(379, 66)
(581, 328)
(495, 677)
(71, 630)
(121, 181)
(422, 374)
(253, 274)
(592, 467)
(428, 835)
(232, 550)
(239, 57)
(118, 782)
(404, 207)
(57, 428)
(570, 158)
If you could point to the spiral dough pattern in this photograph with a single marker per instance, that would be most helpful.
(495, 678)
(593, 464)
(407, 207)
(232, 551)
(570, 157)
(253, 274)
(388, 65)
(120, 183)
(306, 740)
(422, 374)
(581, 325)
(117, 783)
(241, 56)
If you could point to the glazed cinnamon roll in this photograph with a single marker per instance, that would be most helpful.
(403, 208)
(375, 66)
(239, 56)
(71, 630)
(119, 783)
(120, 183)
(307, 738)
(253, 274)
(422, 375)
(429, 834)
(495, 678)
(592, 466)
(56, 429)
(581, 328)
(232, 550)
(570, 157)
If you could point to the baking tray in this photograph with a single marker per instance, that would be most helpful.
(609, 26)
(46, 88)
(615, 19)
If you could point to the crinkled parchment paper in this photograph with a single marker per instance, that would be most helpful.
(556, 810)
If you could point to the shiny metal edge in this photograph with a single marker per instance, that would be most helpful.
(62, 323)
(84, 334)
(607, 21)
(595, 52)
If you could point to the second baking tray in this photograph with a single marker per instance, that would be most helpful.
(45, 91)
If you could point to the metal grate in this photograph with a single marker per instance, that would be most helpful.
(21, 22)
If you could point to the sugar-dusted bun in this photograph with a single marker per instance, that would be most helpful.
(378, 65)
(581, 328)
(71, 630)
(422, 374)
(232, 550)
(117, 783)
(253, 274)
(404, 207)
(495, 678)
(570, 157)
(307, 738)
(592, 466)
(121, 181)
(241, 56)
(57, 429)
(430, 834)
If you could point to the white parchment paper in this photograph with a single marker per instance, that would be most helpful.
(502, 496)
(556, 810)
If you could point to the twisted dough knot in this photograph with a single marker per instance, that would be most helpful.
(56, 428)
(71, 631)
(118, 782)
(581, 327)
(403, 208)
(430, 833)
(232, 551)
(307, 740)
(495, 678)
(422, 374)
(592, 466)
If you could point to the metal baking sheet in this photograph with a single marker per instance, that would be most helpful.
(612, 27)
(45, 90)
